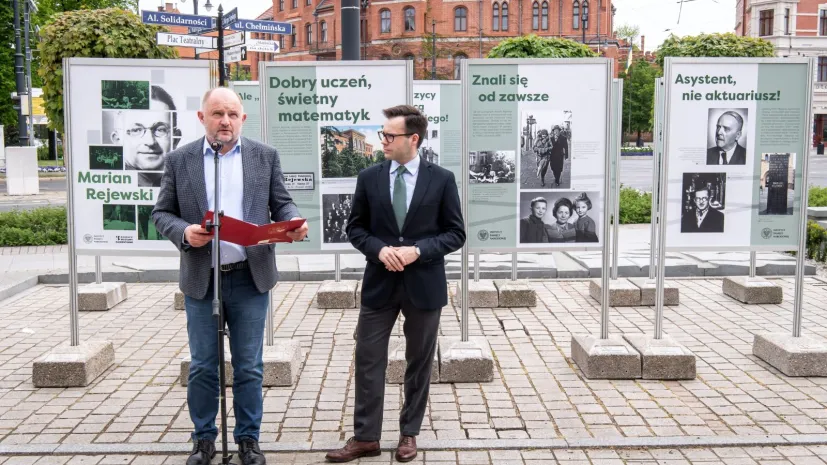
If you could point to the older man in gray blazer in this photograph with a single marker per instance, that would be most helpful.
(252, 189)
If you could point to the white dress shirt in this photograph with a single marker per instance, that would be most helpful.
(231, 186)
(729, 153)
(409, 176)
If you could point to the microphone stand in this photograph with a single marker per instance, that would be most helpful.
(217, 306)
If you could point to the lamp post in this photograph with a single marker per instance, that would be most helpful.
(584, 18)
(316, 26)
(433, 51)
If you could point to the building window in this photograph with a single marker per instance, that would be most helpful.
(323, 31)
(461, 19)
(765, 22)
(505, 16)
(281, 5)
(535, 16)
(544, 16)
(385, 21)
(307, 2)
(293, 38)
(295, 4)
(308, 33)
(822, 22)
(410, 19)
(496, 17)
(575, 15)
(822, 69)
(458, 64)
(586, 14)
(281, 42)
(786, 21)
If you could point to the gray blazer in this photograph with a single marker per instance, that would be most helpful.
(183, 201)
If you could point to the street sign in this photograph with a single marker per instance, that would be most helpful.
(175, 19)
(199, 51)
(183, 40)
(234, 55)
(233, 40)
(268, 27)
(230, 18)
(200, 30)
(258, 45)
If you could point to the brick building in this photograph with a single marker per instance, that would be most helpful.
(394, 30)
(796, 28)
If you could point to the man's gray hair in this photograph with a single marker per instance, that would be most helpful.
(209, 93)
(735, 115)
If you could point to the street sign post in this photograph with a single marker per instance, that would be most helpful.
(258, 45)
(230, 18)
(268, 27)
(183, 40)
(233, 40)
(235, 54)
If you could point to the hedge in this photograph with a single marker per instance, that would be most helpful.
(41, 226)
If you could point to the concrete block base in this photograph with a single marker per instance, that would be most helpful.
(671, 293)
(793, 356)
(622, 293)
(179, 300)
(73, 366)
(664, 358)
(481, 294)
(337, 295)
(101, 297)
(465, 362)
(515, 293)
(755, 290)
(611, 358)
(282, 362)
(395, 373)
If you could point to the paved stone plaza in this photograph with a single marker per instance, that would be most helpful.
(537, 400)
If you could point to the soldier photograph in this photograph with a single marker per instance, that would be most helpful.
(545, 149)
(336, 209)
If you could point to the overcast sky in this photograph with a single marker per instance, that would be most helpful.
(653, 16)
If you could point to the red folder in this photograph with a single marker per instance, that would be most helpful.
(249, 234)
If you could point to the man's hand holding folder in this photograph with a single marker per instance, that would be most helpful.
(249, 234)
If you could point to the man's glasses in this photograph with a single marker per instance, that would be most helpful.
(159, 130)
(389, 137)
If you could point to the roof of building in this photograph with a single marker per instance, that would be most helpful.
(268, 14)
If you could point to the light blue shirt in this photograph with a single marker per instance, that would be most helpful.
(231, 186)
(409, 176)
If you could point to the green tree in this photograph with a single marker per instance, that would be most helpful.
(8, 115)
(378, 156)
(534, 46)
(638, 97)
(628, 32)
(107, 33)
(48, 8)
(713, 45)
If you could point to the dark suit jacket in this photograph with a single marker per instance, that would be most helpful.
(433, 223)
(739, 156)
(183, 201)
(713, 222)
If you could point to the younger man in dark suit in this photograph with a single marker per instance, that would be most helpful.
(406, 217)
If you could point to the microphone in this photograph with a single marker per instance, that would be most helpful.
(216, 145)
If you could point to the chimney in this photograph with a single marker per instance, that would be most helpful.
(169, 7)
(160, 8)
(643, 44)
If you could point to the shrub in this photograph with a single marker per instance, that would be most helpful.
(635, 206)
(41, 226)
(817, 197)
(816, 241)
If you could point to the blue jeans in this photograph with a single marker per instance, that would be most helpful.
(245, 310)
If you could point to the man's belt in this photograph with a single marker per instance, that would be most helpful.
(234, 266)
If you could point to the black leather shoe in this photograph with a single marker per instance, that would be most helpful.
(250, 453)
(203, 450)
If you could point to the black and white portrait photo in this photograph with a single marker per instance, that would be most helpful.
(494, 167)
(145, 135)
(429, 151)
(335, 212)
(550, 217)
(703, 203)
(545, 149)
(727, 136)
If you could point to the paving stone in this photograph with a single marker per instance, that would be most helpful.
(282, 363)
(755, 290)
(664, 358)
(622, 293)
(465, 362)
(481, 294)
(671, 292)
(332, 294)
(73, 366)
(517, 293)
(179, 300)
(793, 356)
(100, 297)
(395, 373)
(611, 358)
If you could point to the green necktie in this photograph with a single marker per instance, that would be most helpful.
(400, 197)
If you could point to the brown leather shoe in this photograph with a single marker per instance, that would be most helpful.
(353, 450)
(406, 450)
